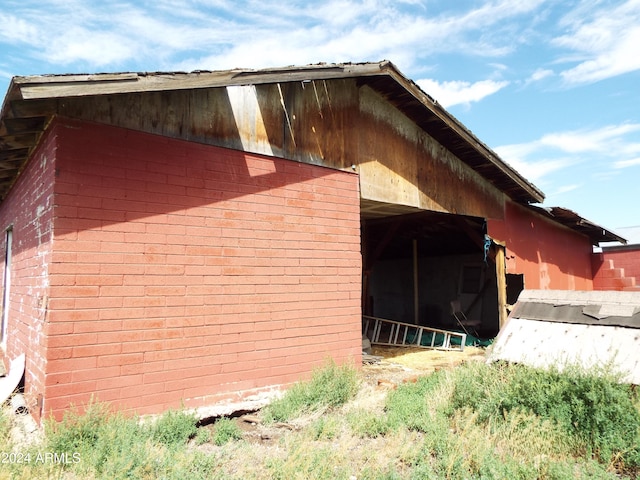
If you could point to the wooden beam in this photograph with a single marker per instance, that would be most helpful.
(501, 279)
(18, 126)
(475, 236)
(416, 287)
(34, 108)
(15, 142)
(52, 86)
(13, 156)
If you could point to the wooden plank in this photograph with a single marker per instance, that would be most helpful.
(18, 126)
(16, 142)
(34, 108)
(13, 156)
(501, 279)
(416, 287)
(105, 84)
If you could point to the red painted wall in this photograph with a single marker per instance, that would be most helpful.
(549, 255)
(190, 274)
(617, 268)
(27, 210)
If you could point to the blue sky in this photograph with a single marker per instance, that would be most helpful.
(553, 86)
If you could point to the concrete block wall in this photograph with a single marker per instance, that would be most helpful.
(186, 274)
(549, 255)
(628, 259)
(616, 270)
(28, 212)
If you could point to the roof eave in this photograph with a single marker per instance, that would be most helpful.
(535, 194)
(48, 88)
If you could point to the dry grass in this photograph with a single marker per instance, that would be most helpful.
(400, 424)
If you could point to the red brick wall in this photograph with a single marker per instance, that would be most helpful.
(550, 255)
(186, 273)
(27, 209)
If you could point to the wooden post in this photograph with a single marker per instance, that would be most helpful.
(501, 280)
(416, 299)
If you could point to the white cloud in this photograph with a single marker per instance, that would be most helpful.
(15, 29)
(605, 39)
(566, 188)
(627, 163)
(459, 92)
(539, 74)
(226, 34)
(93, 48)
(534, 169)
(601, 148)
(602, 140)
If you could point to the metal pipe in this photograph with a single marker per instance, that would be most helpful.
(19, 405)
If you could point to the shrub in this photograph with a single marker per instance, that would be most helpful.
(109, 444)
(113, 445)
(174, 428)
(409, 406)
(5, 425)
(591, 407)
(330, 386)
(368, 424)
(225, 431)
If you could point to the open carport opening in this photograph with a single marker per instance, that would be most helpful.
(423, 267)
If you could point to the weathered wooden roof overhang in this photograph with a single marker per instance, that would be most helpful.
(31, 102)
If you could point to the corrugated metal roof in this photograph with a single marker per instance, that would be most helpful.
(571, 219)
(29, 106)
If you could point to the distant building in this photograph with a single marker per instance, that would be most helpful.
(617, 268)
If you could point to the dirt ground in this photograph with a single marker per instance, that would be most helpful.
(398, 365)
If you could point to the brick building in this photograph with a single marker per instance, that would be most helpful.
(617, 268)
(197, 238)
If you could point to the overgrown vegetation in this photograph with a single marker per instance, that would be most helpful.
(331, 386)
(513, 421)
(475, 421)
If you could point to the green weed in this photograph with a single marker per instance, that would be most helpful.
(368, 424)
(5, 426)
(330, 386)
(476, 421)
(174, 428)
(225, 431)
(596, 412)
(325, 428)
(203, 435)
